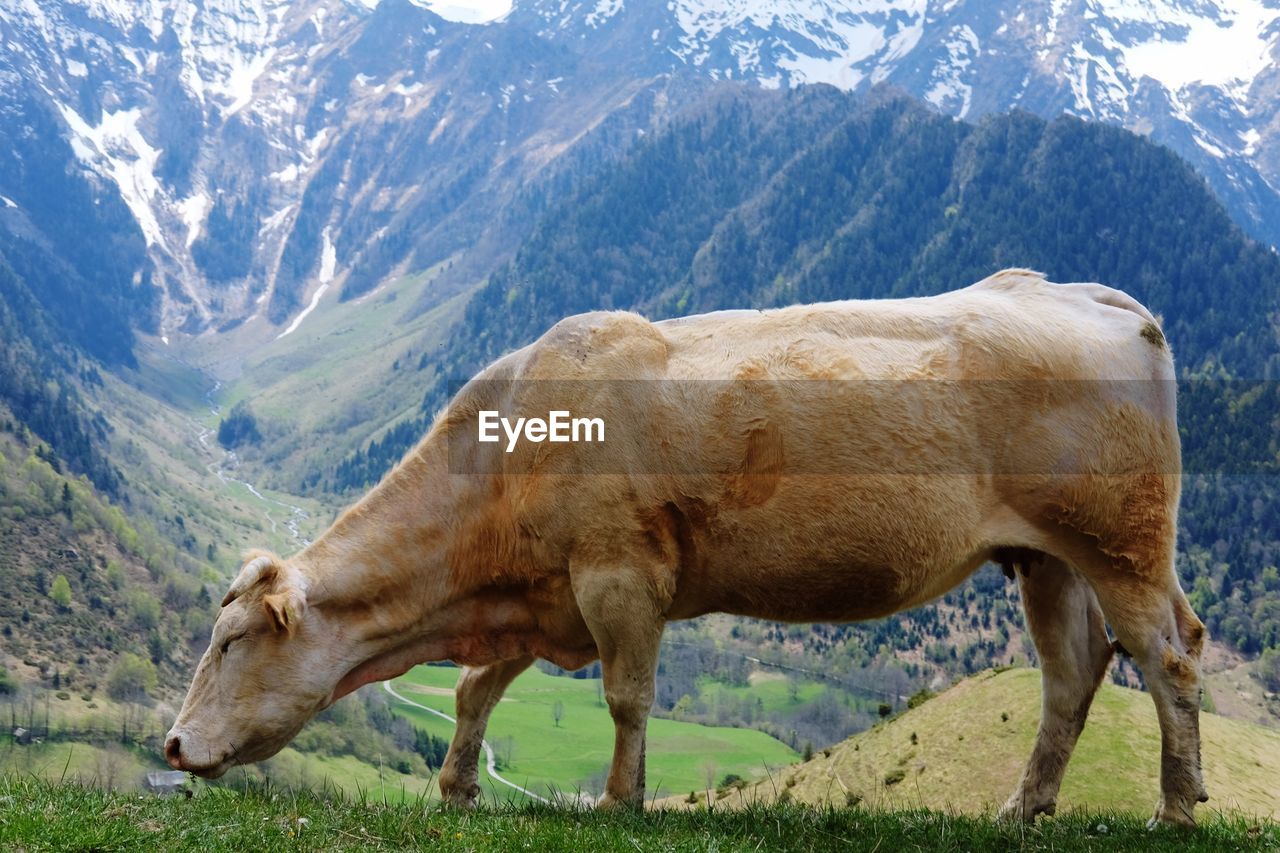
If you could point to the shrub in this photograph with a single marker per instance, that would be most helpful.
(1268, 667)
(60, 592)
(239, 427)
(894, 776)
(132, 678)
(920, 697)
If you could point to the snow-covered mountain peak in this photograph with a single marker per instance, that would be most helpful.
(1199, 75)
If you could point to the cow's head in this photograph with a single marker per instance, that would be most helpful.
(268, 670)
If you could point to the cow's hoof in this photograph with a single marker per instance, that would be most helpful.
(610, 802)
(1173, 815)
(460, 796)
(1023, 810)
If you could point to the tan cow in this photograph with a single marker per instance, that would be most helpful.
(815, 463)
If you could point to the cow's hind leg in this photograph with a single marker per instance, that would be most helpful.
(1154, 622)
(620, 609)
(478, 691)
(1070, 636)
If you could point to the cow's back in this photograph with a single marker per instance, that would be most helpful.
(1012, 325)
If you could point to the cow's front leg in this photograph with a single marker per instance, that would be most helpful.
(478, 691)
(624, 618)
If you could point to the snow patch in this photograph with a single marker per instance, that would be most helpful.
(328, 264)
(467, 11)
(328, 258)
(1213, 150)
(1250, 138)
(239, 85)
(317, 142)
(117, 149)
(193, 210)
(812, 41)
(948, 83)
(604, 10)
(1236, 48)
(275, 220)
(297, 321)
(287, 175)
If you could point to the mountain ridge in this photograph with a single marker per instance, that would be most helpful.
(267, 154)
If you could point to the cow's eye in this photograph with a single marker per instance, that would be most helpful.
(226, 644)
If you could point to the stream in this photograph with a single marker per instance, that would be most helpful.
(229, 462)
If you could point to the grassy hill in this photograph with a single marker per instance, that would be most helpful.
(964, 750)
(43, 816)
(574, 755)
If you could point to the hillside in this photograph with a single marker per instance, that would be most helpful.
(972, 741)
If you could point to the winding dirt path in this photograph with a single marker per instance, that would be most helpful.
(491, 761)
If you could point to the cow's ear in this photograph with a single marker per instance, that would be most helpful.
(283, 609)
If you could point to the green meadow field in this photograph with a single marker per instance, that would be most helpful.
(682, 757)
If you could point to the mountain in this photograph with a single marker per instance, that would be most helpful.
(765, 200)
(253, 156)
(1199, 76)
(236, 162)
(964, 750)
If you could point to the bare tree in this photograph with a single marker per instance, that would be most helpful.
(108, 767)
(504, 751)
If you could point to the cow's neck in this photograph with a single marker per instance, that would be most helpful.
(387, 576)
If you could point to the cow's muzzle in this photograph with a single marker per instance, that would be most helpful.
(180, 758)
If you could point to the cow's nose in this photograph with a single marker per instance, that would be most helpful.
(173, 752)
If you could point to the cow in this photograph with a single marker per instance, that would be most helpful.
(831, 462)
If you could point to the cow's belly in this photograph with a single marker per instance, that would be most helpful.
(827, 551)
(846, 592)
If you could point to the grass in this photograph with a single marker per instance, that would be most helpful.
(546, 756)
(38, 815)
(972, 741)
